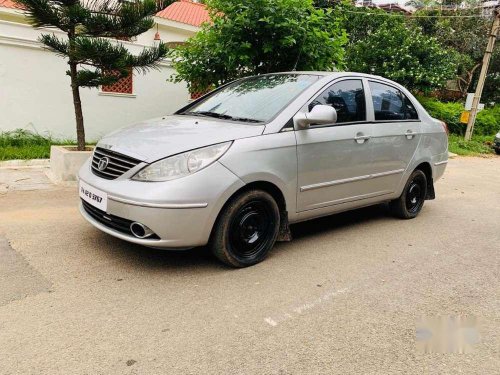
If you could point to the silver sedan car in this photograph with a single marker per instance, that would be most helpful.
(234, 168)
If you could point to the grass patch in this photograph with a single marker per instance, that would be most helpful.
(478, 145)
(26, 145)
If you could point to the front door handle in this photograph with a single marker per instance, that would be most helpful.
(360, 138)
(409, 134)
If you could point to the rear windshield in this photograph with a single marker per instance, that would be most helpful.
(255, 99)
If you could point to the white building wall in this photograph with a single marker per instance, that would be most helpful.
(35, 92)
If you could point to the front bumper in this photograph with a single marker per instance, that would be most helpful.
(181, 212)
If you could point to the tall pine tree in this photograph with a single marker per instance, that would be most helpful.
(90, 26)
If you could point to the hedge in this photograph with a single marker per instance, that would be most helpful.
(487, 121)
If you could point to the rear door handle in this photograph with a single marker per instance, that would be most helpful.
(361, 138)
(409, 134)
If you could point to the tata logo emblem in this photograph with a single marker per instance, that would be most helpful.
(103, 163)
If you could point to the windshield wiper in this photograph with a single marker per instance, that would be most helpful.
(220, 116)
(195, 114)
(244, 119)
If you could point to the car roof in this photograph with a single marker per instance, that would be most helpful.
(336, 74)
(309, 72)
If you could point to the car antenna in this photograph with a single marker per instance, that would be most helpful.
(300, 54)
(297, 61)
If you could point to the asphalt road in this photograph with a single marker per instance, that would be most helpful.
(343, 298)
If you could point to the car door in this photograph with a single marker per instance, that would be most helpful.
(396, 134)
(334, 160)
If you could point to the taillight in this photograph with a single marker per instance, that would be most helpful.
(445, 127)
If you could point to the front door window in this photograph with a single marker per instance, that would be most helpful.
(348, 99)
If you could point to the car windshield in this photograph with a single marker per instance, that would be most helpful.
(255, 99)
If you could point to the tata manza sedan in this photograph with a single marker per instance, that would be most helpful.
(234, 168)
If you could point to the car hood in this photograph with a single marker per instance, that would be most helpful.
(159, 138)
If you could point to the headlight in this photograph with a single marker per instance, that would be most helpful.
(181, 165)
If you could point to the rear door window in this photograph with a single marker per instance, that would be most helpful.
(348, 99)
(391, 104)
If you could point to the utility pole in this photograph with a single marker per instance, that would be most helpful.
(482, 76)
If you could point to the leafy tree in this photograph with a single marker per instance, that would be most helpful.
(93, 58)
(418, 4)
(360, 22)
(259, 36)
(405, 55)
(468, 37)
(326, 3)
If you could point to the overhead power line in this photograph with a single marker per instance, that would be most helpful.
(385, 14)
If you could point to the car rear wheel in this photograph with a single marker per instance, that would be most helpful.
(411, 201)
(246, 230)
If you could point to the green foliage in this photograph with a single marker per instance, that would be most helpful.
(478, 145)
(21, 138)
(487, 121)
(25, 145)
(403, 54)
(468, 37)
(326, 3)
(491, 92)
(259, 36)
(361, 22)
(447, 112)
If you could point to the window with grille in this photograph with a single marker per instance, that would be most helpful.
(197, 94)
(122, 86)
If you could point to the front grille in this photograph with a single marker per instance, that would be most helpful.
(117, 164)
(114, 222)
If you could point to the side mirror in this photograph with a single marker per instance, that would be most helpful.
(320, 114)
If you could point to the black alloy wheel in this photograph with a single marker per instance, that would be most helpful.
(415, 193)
(411, 201)
(246, 229)
(251, 229)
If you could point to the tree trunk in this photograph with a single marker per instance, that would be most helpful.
(80, 130)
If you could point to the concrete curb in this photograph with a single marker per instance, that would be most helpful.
(54, 180)
(33, 163)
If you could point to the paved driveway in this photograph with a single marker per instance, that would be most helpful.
(342, 298)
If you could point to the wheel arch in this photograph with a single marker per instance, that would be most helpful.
(277, 195)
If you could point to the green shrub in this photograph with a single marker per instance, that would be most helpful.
(487, 121)
(25, 145)
(478, 145)
(21, 138)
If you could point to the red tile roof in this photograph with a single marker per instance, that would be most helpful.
(9, 4)
(185, 11)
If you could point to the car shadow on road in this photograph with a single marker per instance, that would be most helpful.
(137, 256)
(339, 221)
(200, 257)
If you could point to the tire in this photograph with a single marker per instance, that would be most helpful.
(246, 229)
(497, 150)
(411, 201)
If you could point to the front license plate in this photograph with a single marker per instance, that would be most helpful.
(95, 197)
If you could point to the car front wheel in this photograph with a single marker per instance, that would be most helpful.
(411, 201)
(246, 229)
